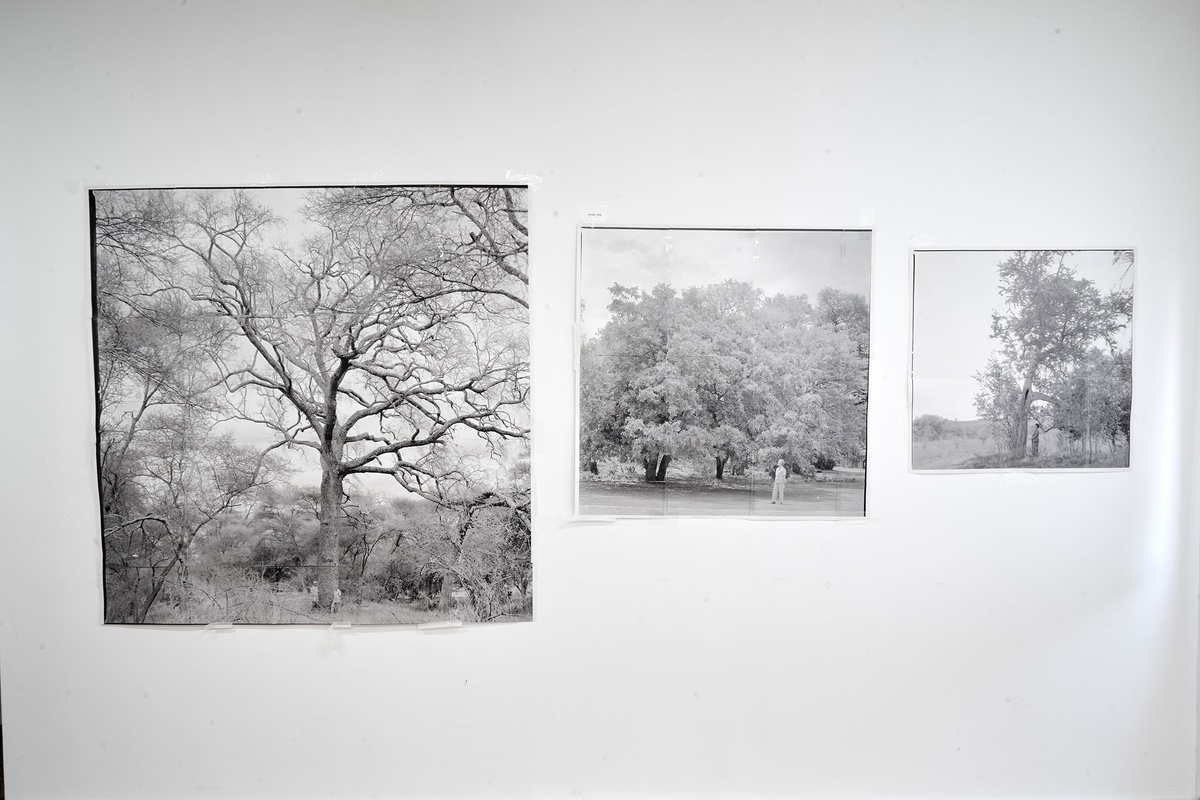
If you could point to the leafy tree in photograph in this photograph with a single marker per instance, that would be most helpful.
(723, 372)
(664, 379)
(1050, 320)
(999, 400)
(813, 405)
(1094, 400)
(645, 407)
(715, 349)
(728, 443)
(663, 417)
(849, 314)
(600, 427)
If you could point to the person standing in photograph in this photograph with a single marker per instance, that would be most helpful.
(780, 483)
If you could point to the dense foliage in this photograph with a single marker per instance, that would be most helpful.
(1061, 363)
(726, 375)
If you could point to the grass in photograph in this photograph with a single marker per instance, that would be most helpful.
(828, 494)
(973, 445)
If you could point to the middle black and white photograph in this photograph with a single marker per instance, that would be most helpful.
(723, 372)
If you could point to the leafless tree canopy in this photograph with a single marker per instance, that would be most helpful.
(383, 330)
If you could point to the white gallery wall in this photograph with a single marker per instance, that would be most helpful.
(1001, 634)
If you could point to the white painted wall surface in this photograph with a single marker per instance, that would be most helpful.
(1000, 635)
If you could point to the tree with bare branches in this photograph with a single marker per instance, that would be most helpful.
(385, 335)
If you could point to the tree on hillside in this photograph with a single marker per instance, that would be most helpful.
(1050, 320)
(395, 331)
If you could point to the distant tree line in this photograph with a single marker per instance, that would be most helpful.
(932, 427)
(725, 374)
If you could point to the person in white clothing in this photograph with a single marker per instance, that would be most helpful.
(780, 483)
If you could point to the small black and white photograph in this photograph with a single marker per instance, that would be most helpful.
(1022, 359)
(313, 404)
(723, 372)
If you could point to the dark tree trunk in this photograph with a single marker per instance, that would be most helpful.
(656, 468)
(721, 467)
(1020, 430)
(661, 475)
(648, 464)
(329, 541)
(593, 468)
(1034, 444)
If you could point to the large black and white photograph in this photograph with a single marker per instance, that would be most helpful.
(1022, 359)
(723, 372)
(313, 404)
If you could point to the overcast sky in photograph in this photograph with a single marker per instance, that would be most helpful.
(778, 262)
(954, 295)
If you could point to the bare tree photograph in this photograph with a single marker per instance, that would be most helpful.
(313, 404)
(723, 372)
(1022, 359)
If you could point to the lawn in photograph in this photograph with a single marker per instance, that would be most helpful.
(1021, 359)
(312, 404)
(723, 372)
